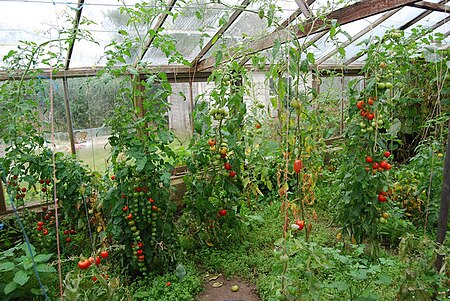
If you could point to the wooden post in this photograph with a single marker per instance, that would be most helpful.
(445, 200)
(2, 199)
(69, 116)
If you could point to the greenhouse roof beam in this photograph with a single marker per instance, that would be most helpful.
(440, 23)
(162, 18)
(76, 25)
(304, 8)
(431, 6)
(356, 11)
(238, 11)
(358, 35)
(292, 17)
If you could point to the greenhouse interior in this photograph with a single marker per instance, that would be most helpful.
(194, 150)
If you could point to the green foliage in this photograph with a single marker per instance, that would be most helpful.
(17, 278)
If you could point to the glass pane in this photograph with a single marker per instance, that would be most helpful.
(32, 21)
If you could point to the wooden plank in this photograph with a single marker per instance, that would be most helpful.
(162, 18)
(74, 33)
(345, 15)
(358, 35)
(294, 15)
(173, 71)
(445, 201)
(239, 10)
(431, 6)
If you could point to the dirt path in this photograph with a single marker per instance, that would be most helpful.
(246, 292)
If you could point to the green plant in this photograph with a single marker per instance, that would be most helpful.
(17, 278)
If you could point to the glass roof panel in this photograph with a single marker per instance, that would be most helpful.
(108, 21)
(31, 21)
(431, 19)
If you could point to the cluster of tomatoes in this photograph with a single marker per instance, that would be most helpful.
(222, 154)
(96, 259)
(218, 113)
(140, 256)
(365, 110)
(378, 166)
(44, 183)
(20, 192)
(68, 232)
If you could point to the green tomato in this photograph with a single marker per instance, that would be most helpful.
(370, 129)
(381, 86)
(362, 125)
(380, 122)
(388, 85)
(284, 258)
(363, 130)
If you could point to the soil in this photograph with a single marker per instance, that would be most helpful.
(246, 292)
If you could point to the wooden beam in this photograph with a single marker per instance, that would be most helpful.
(162, 18)
(173, 72)
(238, 11)
(358, 35)
(403, 27)
(304, 8)
(440, 23)
(294, 15)
(76, 25)
(445, 201)
(68, 116)
(431, 6)
(354, 12)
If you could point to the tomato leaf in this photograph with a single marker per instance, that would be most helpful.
(21, 277)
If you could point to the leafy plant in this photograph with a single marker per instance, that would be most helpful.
(17, 278)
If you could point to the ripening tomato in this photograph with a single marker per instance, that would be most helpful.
(258, 125)
(371, 101)
(223, 212)
(96, 260)
(298, 165)
(360, 104)
(84, 264)
(212, 142)
(125, 208)
(104, 254)
(382, 198)
(300, 224)
(227, 166)
(130, 216)
(388, 166)
(387, 154)
(369, 159)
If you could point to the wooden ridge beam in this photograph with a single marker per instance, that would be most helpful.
(354, 12)
(76, 26)
(159, 23)
(431, 6)
(238, 11)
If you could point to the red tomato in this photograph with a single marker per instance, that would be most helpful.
(227, 166)
(130, 216)
(68, 239)
(44, 231)
(139, 252)
(39, 228)
(360, 104)
(375, 165)
(369, 159)
(168, 283)
(94, 279)
(212, 142)
(154, 208)
(151, 200)
(125, 208)
(24, 189)
(113, 177)
(104, 254)
(84, 264)
(140, 245)
(40, 223)
(387, 154)
(298, 165)
(388, 166)
(371, 101)
(72, 231)
(47, 181)
(363, 113)
(223, 212)
(66, 232)
(370, 116)
(300, 224)
(382, 198)
(383, 164)
(258, 125)
(97, 260)
(232, 174)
